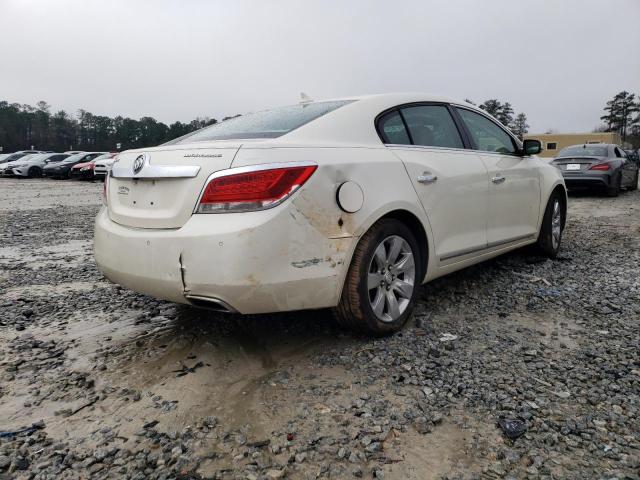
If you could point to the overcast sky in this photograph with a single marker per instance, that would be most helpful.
(558, 61)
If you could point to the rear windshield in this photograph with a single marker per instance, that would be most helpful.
(583, 151)
(266, 124)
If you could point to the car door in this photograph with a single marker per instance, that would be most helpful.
(627, 170)
(514, 182)
(450, 181)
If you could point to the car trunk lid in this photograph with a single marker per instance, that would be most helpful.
(158, 187)
(577, 164)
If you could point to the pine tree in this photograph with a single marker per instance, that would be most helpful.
(520, 125)
(620, 113)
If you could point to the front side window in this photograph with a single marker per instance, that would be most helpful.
(486, 135)
(432, 125)
(267, 124)
(392, 130)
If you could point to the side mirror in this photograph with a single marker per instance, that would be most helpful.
(531, 147)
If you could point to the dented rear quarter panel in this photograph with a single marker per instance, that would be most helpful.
(381, 176)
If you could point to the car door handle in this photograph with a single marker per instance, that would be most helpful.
(498, 179)
(427, 178)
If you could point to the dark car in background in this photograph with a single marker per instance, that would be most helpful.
(633, 155)
(87, 170)
(63, 169)
(597, 166)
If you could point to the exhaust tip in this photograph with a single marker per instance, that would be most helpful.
(210, 303)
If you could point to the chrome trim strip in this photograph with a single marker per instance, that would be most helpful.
(428, 147)
(156, 171)
(460, 253)
(488, 246)
(511, 240)
(248, 168)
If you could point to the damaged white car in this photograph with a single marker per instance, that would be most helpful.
(349, 204)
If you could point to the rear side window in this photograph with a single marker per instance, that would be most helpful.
(486, 135)
(432, 125)
(392, 130)
(267, 124)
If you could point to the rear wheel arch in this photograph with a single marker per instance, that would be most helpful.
(562, 192)
(414, 224)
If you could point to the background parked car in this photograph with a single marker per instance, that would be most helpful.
(17, 155)
(6, 168)
(103, 164)
(62, 169)
(73, 152)
(601, 166)
(32, 165)
(634, 155)
(83, 171)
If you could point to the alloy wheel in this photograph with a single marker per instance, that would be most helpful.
(391, 278)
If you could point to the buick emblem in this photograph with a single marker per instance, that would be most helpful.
(138, 164)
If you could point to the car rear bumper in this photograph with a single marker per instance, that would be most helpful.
(255, 262)
(587, 180)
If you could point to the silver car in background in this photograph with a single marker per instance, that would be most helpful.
(18, 155)
(597, 166)
(32, 165)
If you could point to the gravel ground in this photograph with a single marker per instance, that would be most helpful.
(100, 382)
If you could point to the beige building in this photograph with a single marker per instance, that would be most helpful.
(552, 143)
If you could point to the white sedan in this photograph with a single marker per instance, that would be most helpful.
(349, 204)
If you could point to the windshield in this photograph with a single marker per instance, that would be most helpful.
(266, 124)
(584, 151)
(38, 156)
(74, 158)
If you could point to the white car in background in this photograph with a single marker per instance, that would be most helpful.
(32, 165)
(102, 165)
(5, 168)
(11, 157)
(349, 204)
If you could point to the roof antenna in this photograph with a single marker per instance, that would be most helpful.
(304, 98)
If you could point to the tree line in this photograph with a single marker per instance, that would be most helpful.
(24, 126)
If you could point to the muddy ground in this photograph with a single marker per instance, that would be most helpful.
(112, 384)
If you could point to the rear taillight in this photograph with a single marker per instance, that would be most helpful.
(601, 167)
(246, 189)
(104, 190)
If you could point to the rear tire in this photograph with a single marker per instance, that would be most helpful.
(634, 185)
(614, 190)
(34, 172)
(550, 236)
(383, 280)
